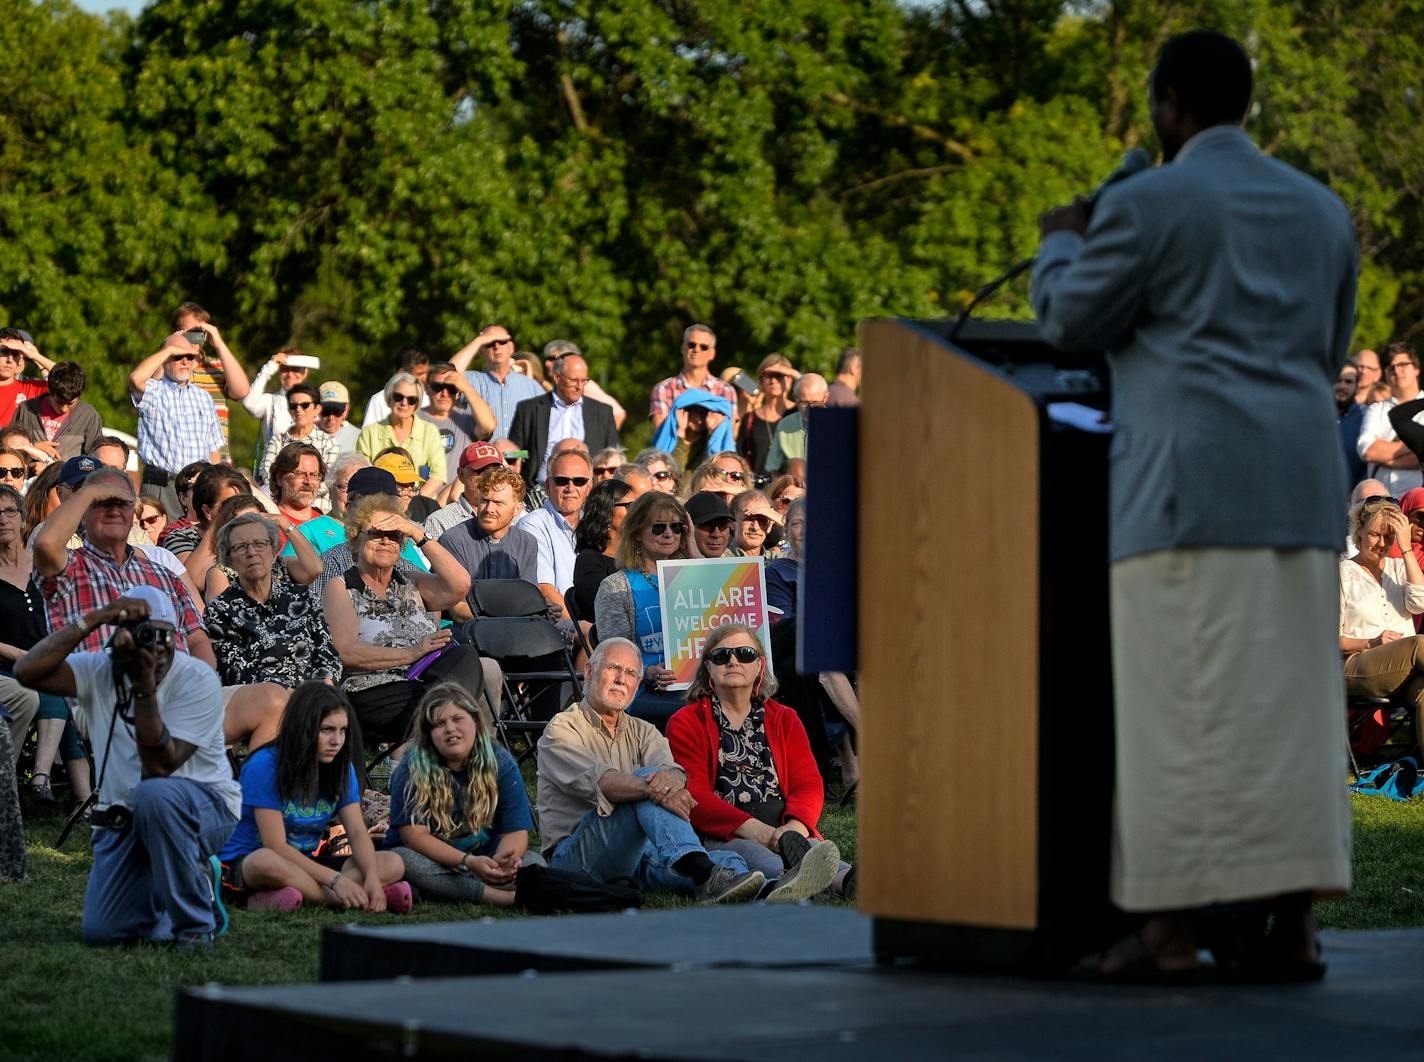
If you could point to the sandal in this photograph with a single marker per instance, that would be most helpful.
(40, 791)
(1136, 964)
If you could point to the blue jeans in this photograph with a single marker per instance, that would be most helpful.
(150, 881)
(640, 841)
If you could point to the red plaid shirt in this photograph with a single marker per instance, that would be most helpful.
(666, 392)
(92, 579)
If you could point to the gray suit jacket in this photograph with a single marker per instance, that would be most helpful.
(1223, 288)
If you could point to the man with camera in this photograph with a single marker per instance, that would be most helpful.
(177, 420)
(167, 799)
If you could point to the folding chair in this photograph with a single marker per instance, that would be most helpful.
(539, 675)
(1379, 729)
(509, 597)
(584, 644)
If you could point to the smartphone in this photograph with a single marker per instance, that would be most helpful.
(196, 336)
(744, 383)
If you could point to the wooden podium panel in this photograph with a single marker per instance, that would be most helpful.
(949, 556)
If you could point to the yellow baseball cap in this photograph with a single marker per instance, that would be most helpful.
(400, 468)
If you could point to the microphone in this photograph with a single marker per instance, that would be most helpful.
(1134, 161)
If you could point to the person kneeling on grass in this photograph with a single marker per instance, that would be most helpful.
(292, 793)
(459, 811)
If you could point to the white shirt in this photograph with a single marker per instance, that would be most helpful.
(565, 422)
(269, 409)
(1368, 608)
(191, 704)
(556, 545)
(1376, 427)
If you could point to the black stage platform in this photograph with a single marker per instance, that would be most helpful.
(1368, 1005)
(764, 936)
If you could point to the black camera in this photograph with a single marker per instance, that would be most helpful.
(145, 635)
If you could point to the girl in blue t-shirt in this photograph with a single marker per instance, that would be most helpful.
(458, 805)
(292, 793)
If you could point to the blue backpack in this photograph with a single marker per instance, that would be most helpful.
(1399, 780)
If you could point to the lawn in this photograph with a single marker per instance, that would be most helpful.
(64, 1000)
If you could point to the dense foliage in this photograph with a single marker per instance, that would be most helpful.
(355, 175)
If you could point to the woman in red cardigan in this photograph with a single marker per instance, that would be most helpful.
(750, 769)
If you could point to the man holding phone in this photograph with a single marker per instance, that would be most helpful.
(15, 346)
(177, 420)
(500, 384)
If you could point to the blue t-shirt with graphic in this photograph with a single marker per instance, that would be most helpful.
(306, 823)
(511, 810)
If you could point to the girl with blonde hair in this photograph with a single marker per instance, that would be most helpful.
(458, 805)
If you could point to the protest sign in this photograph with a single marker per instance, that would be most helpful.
(698, 596)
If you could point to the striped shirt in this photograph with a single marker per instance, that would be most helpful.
(177, 425)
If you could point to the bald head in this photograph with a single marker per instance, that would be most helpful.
(812, 389)
(1366, 488)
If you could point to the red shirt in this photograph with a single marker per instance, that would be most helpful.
(16, 391)
(692, 733)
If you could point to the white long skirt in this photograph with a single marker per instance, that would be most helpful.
(1230, 726)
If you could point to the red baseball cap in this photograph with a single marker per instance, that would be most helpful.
(479, 455)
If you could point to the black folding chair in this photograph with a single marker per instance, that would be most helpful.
(584, 643)
(509, 597)
(1379, 729)
(539, 674)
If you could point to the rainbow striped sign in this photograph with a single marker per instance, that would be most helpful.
(698, 596)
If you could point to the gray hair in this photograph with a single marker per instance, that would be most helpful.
(609, 453)
(557, 348)
(606, 646)
(245, 520)
(406, 378)
(341, 465)
(687, 332)
(796, 508)
(652, 456)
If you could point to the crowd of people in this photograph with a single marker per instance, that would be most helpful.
(210, 652)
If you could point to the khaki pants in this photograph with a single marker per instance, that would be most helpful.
(1395, 669)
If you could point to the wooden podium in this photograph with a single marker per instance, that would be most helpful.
(986, 747)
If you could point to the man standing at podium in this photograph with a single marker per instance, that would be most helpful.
(1222, 284)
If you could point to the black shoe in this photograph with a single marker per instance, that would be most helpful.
(40, 792)
(725, 885)
(793, 848)
(848, 884)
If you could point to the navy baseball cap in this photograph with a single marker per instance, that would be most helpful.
(76, 470)
(370, 481)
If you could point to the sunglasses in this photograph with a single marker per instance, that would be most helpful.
(296, 407)
(12, 473)
(404, 400)
(564, 481)
(156, 518)
(660, 476)
(722, 655)
(332, 411)
(735, 477)
(603, 471)
(500, 342)
(512, 459)
(658, 530)
(184, 357)
(699, 346)
(386, 536)
(1375, 504)
(442, 389)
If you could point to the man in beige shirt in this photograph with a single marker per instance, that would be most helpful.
(613, 804)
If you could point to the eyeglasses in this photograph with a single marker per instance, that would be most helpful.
(7, 513)
(12, 473)
(256, 545)
(619, 669)
(332, 411)
(760, 519)
(309, 476)
(115, 503)
(442, 389)
(660, 476)
(564, 481)
(604, 471)
(404, 400)
(658, 530)
(405, 490)
(295, 407)
(722, 655)
(385, 536)
(1396, 366)
(698, 346)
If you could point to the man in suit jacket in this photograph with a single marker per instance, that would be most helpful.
(1223, 287)
(563, 413)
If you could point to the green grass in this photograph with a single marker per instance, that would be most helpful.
(61, 999)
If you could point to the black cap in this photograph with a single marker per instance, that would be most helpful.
(370, 481)
(704, 507)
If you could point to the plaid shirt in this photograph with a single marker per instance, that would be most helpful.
(177, 425)
(665, 393)
(92, 580)
(329, 446)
